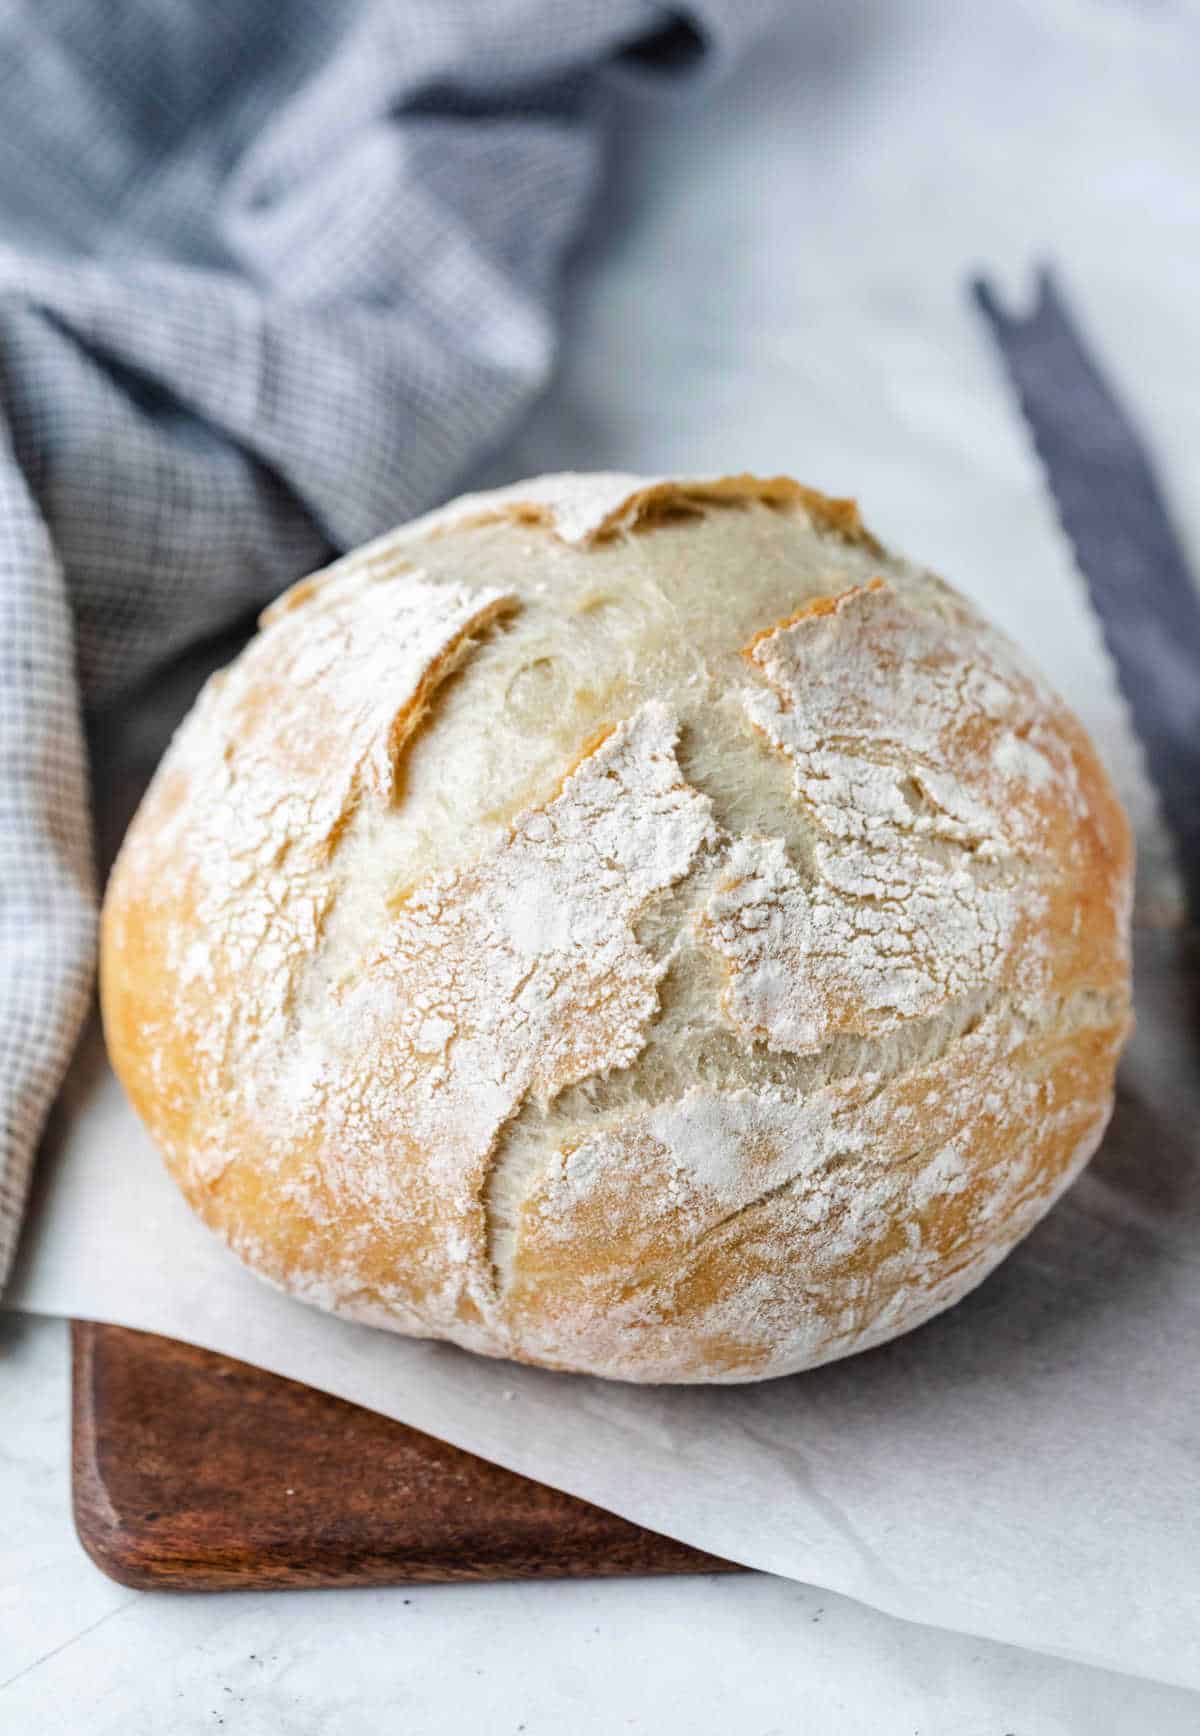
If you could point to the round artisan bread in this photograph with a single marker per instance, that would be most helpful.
(634, 927)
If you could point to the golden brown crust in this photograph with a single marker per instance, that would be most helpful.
(667, 1074)
(595, 1276)
(220, 894)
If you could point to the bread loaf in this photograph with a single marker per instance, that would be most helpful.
(634, 927)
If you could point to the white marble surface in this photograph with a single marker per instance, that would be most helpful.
(751, 1655)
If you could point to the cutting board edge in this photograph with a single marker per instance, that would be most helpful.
(136, 1552)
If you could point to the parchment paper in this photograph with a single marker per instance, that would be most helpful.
(787, 292)
(1025, 1467)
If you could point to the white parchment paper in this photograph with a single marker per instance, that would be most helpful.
(1025, 1467)
(782, 287)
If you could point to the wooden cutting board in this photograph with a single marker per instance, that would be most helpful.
(196, 1472)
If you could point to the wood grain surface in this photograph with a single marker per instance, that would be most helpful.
(196, 1472)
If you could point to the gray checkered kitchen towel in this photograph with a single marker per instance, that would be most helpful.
(271, 277)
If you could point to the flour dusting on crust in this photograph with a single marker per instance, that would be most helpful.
(520, 975)
(892, 1187)
(282, 748)
(899, 725)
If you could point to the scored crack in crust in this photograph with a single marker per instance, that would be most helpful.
(531, 965)
(233, 851)
(921, 888)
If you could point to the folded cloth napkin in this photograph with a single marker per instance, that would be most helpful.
(271, 278)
